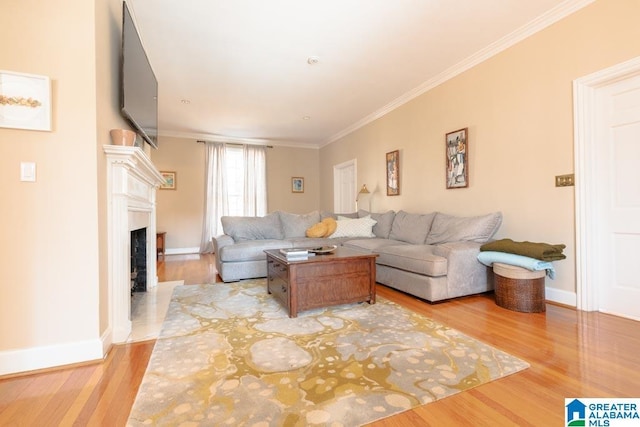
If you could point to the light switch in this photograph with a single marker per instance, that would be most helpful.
(28, 172)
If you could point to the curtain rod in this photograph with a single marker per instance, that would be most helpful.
(201, 141)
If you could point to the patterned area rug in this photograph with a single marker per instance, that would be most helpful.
(228, 354)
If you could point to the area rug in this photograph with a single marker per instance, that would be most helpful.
(228, 354)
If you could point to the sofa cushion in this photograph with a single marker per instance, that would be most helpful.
(448, 228)
(383, 226)
(418, 259)
(250, 250)
(371, 245)
(242, 228)
(411, 228)
(296, 225)
(360, 227)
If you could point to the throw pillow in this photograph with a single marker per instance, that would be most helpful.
(411, 228)
(448, 228)
(295, 225)
(383, 227)
(252, 227)
(324, 228)
(349, 227)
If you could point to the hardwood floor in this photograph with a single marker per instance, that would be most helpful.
(572, 354)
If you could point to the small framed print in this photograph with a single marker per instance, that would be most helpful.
(457, 159)
(297, 184)
(170, 182)
(25, 101)
(393, 173)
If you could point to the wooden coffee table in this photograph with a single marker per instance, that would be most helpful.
(344, 276)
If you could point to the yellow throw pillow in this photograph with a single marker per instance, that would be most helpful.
(317, 230)
(332, 224)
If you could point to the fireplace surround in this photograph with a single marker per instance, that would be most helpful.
(132, 182)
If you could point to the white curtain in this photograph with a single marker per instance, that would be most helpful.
(216, 200)
(255, 180)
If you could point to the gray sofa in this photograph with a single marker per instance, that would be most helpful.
(432, 256)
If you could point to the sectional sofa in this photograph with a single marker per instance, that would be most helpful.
(432, 256)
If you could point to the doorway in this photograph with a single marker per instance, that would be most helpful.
(344, 186)
(607, 155)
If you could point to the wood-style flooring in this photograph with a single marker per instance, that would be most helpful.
(572, 354)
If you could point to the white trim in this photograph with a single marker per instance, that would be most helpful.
(34, 358)
(561, 297)
(540, 23)
(588, 269)
(183, 251)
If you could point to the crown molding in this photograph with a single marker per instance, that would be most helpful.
(543, 21)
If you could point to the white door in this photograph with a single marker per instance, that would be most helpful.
(344, 187)
(617, 154)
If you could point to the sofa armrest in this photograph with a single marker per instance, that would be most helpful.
(221, 241)
(463, 268)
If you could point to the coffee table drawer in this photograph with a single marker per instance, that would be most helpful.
(276, 268)
(279, 288)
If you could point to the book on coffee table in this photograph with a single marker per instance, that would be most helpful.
(296, 254)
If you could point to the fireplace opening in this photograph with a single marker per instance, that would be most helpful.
(139, 260)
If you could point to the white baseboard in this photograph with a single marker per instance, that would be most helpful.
(31, 359)
(561, 297)
(182, 251)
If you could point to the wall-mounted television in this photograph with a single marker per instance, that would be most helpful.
(138, 83)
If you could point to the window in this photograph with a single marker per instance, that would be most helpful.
(234, 174)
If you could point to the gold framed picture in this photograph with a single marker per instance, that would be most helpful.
(297, 184)
(170, 182)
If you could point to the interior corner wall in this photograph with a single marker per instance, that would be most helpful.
(518, 107)
(49, 293)
(284, 163)
(108, 41)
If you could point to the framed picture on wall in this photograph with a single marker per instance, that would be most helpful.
(170, 182)
(457, 159)
(297, 184)
(393, 173)
(25, 101)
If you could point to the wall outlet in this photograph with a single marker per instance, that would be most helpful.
(564, 180)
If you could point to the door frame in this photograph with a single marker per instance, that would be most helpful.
(588, 269)
(337, 177)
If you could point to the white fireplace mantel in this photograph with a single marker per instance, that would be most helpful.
(132, 182)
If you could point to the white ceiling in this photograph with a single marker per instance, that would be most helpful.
(242, 64)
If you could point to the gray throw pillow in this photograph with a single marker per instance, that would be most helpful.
(448, 228)
(296, 225)
(411, 228)
(384, 221)
(252, 227)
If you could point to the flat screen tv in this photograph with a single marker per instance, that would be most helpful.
(138, 83)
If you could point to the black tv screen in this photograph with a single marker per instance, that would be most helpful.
(139, 86)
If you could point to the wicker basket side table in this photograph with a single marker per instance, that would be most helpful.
(519, 289)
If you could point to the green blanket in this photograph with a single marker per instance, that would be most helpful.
(541, 251)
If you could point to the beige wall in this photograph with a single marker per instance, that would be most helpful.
(53, 285)
(283, 163)
(518, 108)
(180, 211)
